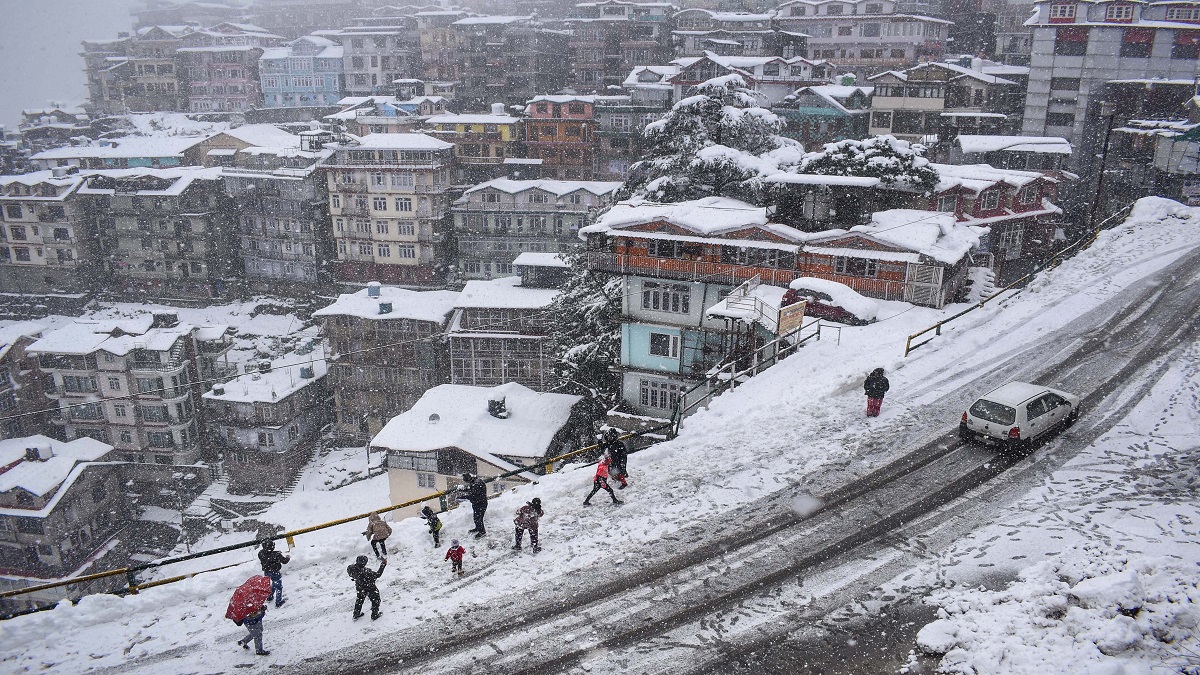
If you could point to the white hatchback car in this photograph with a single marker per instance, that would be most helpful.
(1017, 413)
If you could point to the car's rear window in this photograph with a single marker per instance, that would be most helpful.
(993, 412)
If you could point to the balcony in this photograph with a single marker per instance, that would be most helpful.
(157, 366)
(687, 270)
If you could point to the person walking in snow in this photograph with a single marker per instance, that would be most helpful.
(253, 624)
(455, 555)
(875, 386)
(364, 585)
(272, 562)
(600, 482)
(619, 454)
(434, 523)
(527, 519)
(377, 533)
(474, 490)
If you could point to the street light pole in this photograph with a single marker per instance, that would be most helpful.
(1106, 114)
(187, 542)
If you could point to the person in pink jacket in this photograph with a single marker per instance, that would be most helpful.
(527, 519)
(600, 482)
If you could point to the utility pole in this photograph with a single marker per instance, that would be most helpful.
(1106, 114)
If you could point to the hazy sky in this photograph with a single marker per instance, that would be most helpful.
(39, 49)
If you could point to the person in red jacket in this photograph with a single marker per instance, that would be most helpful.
(455, 555)
(527, 519)
(600, 482)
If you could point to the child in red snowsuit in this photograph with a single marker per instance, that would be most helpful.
(600, 482)
(455, 555)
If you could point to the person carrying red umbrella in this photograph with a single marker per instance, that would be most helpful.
(247, 608)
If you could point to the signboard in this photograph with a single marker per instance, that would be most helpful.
(790, 317)
(1191, 192)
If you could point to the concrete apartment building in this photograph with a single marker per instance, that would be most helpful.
(164, 232)
(147, 370)
(1079, 46)
(619, 124)
(389, 350)
(45, 244)
(483, 144)
(943, 100)
(698, 31)
(61, 506)
(498, 220)
(266, 422)
(389, 204)
(508, 59)
(560, 131)
(136, 73)
(610, 38)
(500, 333)
(220, 66)
(377, 52)
(306, 72)
(282, 208)
(22, 395)
(441, 45)
(864, 36)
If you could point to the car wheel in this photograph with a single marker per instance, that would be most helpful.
(964, 434)
(1072, 418)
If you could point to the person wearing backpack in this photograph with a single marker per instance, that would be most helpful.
(253, 624)
(364, 585)
(434, 523)
(272, 562)
(875, 386)
(377, 533)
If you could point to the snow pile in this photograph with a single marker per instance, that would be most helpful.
(1087, 608)
(842, 295)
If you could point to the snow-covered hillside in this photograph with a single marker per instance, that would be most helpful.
(1101, 517)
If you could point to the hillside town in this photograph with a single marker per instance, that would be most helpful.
(449, 243)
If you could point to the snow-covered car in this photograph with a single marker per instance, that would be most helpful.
(1017, 413)
(830, 300)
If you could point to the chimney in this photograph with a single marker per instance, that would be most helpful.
(306, 372)
(385, 308)
(373, 289)
(218, 390)
(496, 406)
(497, 108)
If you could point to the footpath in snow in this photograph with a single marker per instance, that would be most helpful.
(799, 418)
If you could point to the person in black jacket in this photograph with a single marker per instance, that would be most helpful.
(474, 490)
(876, 385)
(364, 585)
(619, 455)
(272, 566)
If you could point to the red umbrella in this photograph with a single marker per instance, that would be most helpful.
(248, 598)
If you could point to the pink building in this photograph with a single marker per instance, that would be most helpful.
(219, 66)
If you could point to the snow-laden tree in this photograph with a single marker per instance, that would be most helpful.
(585, 336)
(895, 162)
(711, 144)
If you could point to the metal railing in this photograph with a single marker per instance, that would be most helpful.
(1054, 261)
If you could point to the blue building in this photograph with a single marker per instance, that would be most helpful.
(307, 72)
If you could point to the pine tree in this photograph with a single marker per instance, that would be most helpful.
(586, 334)
(895, 162)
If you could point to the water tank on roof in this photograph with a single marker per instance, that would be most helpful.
(218, 390)
(497, 108)
(307, 372)
(373, 289)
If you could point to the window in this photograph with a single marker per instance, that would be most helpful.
(1027, 196)
(881, 120)
(833, 10)
(381, 227)
(427, 480)
(1059, 119)
(1118, 13)
(1182, 14)
(403, 204)
(873, 8)
(79, 384)
(665, 345)
(855, 267)
(948, 203)
(364, 248)
(1187, 44)
(17, 232)
(845, 30)
(266, 439)
(406, 251)
(405, 228)
(379, 203)
(659, 394)
(1071, 41)
(870, 30)
(1064, 84)
(114, 383)
(1062, 11)
(674, 298)
(377, 178)
(384, 250)
(403, 180)
(121, 410)
(1136, 43)
(989, 200)
(12, 211)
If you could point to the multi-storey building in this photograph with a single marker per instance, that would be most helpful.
(220, 66)
(772, 77)
(362, 115)
(43, 128)
(699, 31)
(105, 64)
(1079, 46)
(441, 44)
(1014, 40)
(388, 203)
(864, 34)
(132, 383)
(560, 131)
(60, 506)
(387, 349)
(826, 113)
(943, 100)
(500, 333)
(266, 422)
(377, 52)
(125, 152)
(23, 409)
(45, 244)
(164, 232)
(508, 59)
(498, 220)
(283, 213)
(294, 18)
(482, 143)
(611, 37)
(619, 124)
(153, 75)
(307, 72)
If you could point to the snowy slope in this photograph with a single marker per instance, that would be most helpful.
(801, 418)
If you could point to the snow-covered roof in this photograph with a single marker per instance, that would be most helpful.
(562, 98)
(480, 20)
(42, 477)
(979, 177)
(539, 259)
(264, 135)
(463, 421)
(9, 335)
(660, 74)
(283, 380)
(559, 188)
(1040, 144)
(181, 176)
(504, 293)
(451, 118)
(401, 142)
(834, 94)
(115, 337)
(818, 179)
(123, 148)
(934, 234)
(432, 306)
(709, 216)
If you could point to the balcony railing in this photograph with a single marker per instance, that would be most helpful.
(687, 270)
(157, 366)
